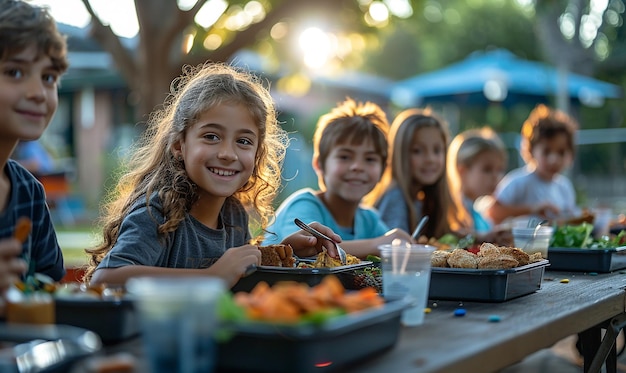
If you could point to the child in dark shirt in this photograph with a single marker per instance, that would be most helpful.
(33, 56)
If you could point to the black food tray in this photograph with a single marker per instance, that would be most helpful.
(485, 285)
(311, 348)
(44, 348)
(112, 320)
(310, 276)
(587, 260)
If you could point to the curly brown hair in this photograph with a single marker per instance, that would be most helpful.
(153, 168)
(545, 123)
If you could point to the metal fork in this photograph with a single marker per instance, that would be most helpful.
(318, 234)
(530, 242)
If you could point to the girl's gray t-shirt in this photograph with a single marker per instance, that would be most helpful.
(394, 211)
(192, 245)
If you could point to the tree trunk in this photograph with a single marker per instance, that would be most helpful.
(158, 58)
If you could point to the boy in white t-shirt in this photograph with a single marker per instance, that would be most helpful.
(539, 189)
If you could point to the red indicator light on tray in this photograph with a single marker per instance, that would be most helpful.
(324, 364)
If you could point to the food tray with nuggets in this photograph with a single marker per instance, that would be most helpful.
(310, 276)
(587, 260)
(310, 348)
(486, 285)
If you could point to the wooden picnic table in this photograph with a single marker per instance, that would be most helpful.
(584, 305)
(581, 303)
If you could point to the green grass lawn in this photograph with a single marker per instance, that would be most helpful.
(74, 241)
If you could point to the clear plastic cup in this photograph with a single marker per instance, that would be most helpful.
(602, 221)
(523, 239)
(178, 321)
(406, 275)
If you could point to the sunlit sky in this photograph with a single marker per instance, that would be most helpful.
(120, 13)
(318, 46)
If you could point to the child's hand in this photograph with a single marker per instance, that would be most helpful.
(395, 234)
(233, 264)
(546, 210)
(304, 244)
(11, 265)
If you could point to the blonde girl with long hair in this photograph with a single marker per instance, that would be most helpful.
(476, 163)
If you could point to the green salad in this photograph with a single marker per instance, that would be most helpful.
(580, 236)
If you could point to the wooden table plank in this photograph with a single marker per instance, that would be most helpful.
(445, 343)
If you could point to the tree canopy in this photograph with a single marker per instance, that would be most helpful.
(395, 39)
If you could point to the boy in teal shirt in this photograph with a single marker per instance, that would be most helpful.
(350, 155)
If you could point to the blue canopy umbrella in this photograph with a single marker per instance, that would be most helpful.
(499, 76)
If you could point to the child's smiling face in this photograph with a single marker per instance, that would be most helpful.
(351, 171)
(219, 150)
(428, 155)
(28, 94)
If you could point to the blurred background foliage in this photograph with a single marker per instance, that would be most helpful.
(298, 41)
(391, 38)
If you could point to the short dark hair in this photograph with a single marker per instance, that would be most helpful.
(22, 24)
(546, 123)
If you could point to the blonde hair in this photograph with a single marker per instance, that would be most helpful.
(436, 198)
(153, 168)
(463, 150)
(354, 123)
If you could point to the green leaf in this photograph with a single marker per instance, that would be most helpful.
(320, 317)
(373, 258)
(573, 236)
(228, 310)
(449, 239)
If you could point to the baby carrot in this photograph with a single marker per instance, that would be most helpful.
(22, 229)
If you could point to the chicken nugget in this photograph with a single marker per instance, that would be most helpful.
(269, 256)
(289, 260)
(280, 250)
(277, 255)
(439, 258)
(518, 254)
(460, 258)
(501, 261)
(488, 249)
(535, 257)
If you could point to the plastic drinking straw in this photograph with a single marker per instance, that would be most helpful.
(407, 253)
(414, 236)
(394, 255)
